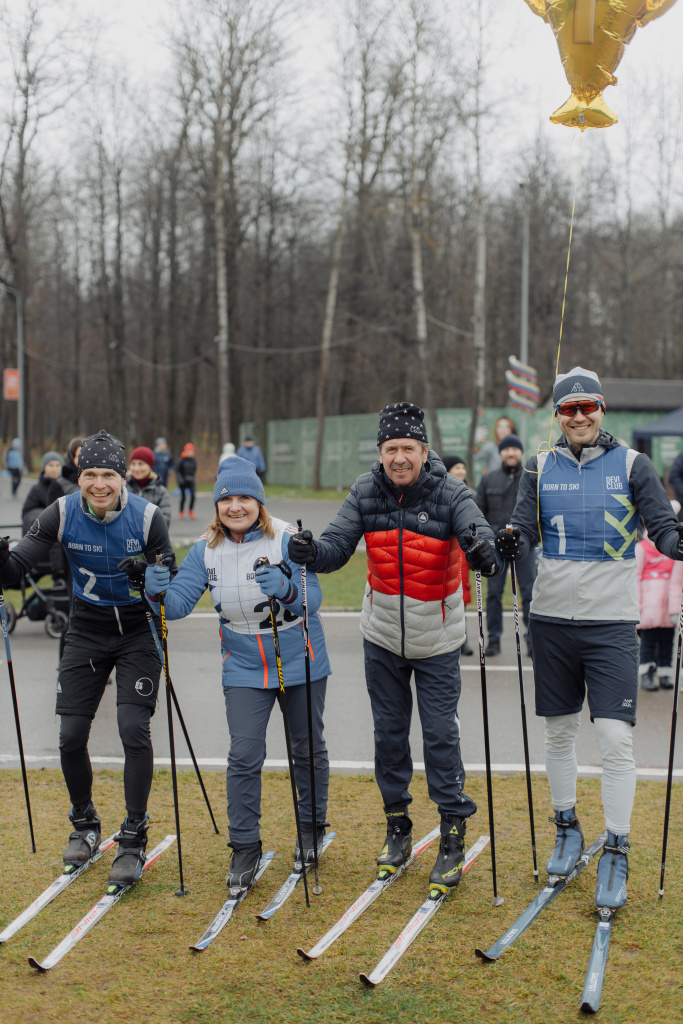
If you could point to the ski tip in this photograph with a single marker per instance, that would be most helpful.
(367, 981)
(38, 966)
(484, 956)
(304, 955)
(587, 1008)
(197, 949)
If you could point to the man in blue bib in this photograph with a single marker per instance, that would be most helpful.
(98, 526)
(582, 500)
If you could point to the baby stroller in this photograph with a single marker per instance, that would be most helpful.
(41, 604)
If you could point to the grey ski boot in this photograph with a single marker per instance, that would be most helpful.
(569, 844)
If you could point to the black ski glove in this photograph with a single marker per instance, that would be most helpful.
(134, 569)
(679, 546)
(302, 549)
(479, 553)
(4, 550)
(507, 543)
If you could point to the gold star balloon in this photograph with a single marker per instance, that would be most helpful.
(591, 36)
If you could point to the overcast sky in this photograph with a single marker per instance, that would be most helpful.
(527, 76)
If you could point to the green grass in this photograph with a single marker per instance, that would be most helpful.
(136, 963)
(281, 491)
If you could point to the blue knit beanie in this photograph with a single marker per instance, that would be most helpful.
(238, 476)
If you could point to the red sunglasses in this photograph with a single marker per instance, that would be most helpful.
(569, 408)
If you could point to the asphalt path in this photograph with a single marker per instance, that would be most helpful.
(194, 656)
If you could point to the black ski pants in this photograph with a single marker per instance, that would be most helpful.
(437, 688)
(85, 667)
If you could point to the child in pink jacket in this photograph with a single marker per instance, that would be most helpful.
(659, 596)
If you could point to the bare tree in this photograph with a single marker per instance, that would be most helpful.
(235, 47)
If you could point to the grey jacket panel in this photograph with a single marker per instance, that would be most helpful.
(600, 591)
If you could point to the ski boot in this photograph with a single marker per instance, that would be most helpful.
(610, 890)
(447, 871)
(84, 841)
(308, 841)
(398, 844)
(665, 677)
(243, 865)
(130, 857)
(569, 844)
(648, 676)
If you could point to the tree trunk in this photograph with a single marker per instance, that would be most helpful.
(222, 299)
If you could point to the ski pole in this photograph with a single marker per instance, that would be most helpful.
(497, 900)
(525, 735)
(15, 705)
(181, 890)
(672, 747)
(285, 718)
(317, 888)
(123, 565)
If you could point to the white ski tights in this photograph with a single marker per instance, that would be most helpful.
(615, 740)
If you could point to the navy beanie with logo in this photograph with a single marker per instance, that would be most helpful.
(578, 384)
(402, 419)
(238, 476)
(102, 451)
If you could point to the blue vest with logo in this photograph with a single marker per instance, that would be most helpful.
(95, 548)
(586, 511)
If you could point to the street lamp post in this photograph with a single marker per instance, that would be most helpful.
(524, 298)
(20, 364)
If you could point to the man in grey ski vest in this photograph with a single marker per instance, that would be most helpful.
(582, 500)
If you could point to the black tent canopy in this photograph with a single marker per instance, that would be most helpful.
(670, 425)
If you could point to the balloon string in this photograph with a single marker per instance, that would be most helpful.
(566, 276)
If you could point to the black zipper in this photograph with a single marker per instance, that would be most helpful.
(400, 578)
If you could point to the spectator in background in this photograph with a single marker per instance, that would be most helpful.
(496, 497)
(185, 474)
(163, 460)
(14, 460)
(659, 582)
(252, 453)
(67, 481)
(227, 453)
(489, 452)
(457, 467)
(144, 481)
(38, 497)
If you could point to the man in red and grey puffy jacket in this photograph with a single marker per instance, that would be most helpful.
(416, 519)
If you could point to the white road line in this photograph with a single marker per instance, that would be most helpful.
(361, 766)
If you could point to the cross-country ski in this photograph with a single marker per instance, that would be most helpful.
(230, 906)
(595, 976)
(418, 922)
(380, 885)
(70, 873)
(103, 906)
(290, 884)
(554, 887)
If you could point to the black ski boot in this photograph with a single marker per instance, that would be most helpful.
(569, 844)
(243, 865)
(308, 840)
(447, 871)
(398, 844)
(84, 841)
(130, 857)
